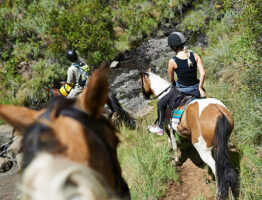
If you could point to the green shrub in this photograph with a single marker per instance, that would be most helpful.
(219, 29)
(194, 22)
(87, 27)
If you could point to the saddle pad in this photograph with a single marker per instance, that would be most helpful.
(177, 113)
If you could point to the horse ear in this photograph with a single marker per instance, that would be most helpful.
(19, 117)
(95, 94)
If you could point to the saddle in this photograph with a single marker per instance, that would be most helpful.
(178, 102)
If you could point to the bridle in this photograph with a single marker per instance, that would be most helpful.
(65, 107)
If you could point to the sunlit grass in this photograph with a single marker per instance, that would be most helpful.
(146, 160)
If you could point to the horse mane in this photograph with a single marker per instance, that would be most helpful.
(157, 78)
(61, 179)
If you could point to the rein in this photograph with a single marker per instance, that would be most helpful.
(161, 92)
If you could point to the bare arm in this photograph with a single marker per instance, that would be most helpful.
(201, 73)
(171, 67)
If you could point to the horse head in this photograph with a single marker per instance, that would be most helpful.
(145, 84)
(73, 130)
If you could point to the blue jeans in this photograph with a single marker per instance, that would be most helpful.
(192, 90)
(186, 89)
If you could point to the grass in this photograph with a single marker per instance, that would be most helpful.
(246, 135)
(146, 160)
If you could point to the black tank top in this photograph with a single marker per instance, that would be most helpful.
(186, 75)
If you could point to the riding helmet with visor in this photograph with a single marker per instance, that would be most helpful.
(72, 55)
(176, 39)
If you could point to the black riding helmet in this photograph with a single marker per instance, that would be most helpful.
(176, 39)
(72, 55)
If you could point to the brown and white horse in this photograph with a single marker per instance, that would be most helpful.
(73, 132)
(208, 124)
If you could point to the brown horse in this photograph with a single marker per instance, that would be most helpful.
(207, 123)
(73, 130)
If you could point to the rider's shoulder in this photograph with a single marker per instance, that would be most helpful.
(172, 63)
(196, 56)
(78, 63)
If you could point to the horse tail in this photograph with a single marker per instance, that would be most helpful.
(226, 176)
(123, 115)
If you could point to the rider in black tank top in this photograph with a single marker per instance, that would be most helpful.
(187, 75)
(186, 70)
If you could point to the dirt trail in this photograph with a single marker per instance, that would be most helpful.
(192, 184)
(9, 183)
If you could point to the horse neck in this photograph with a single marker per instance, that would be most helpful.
(158, 85)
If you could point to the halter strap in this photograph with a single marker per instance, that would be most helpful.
(84, 118)
(161, 92)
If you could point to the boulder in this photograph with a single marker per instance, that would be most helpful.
(15, 147)
(114, 64)
(25, 69)
(6, 133)
(19, 160)
(5, 164)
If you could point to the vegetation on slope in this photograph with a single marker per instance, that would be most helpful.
(146, 160)
(232, 60)
(40, 32)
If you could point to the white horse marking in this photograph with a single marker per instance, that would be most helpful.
(205, 153)
(203, 103)
(175, 123)
(174, 145)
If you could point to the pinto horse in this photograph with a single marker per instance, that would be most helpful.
(115, 110)
(72, 131)
(207, 123)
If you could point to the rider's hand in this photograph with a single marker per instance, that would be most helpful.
(202, 93)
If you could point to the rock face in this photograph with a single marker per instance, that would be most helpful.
(6, 133)
(114, 64)
(5, 164)
(26, 69)
(19, 160)
(153, 53)
(14, 148)
(201, 40)
(9, 148)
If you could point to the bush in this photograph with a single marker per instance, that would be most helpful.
(87, 27)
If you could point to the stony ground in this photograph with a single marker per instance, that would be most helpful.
(9, 183)
(192, 184)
